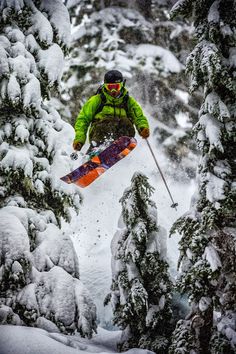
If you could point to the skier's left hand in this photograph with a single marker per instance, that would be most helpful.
(144, 132)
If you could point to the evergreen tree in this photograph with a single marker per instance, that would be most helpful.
(140, 291)
(137, 38)
(207, 248)
(38, 265)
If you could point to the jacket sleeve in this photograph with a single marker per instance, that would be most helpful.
(136, 112)
(85, 117)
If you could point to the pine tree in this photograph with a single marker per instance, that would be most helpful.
(39, 272)
(141, 287)
(207, 248)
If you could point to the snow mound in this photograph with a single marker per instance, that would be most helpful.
(26, 340)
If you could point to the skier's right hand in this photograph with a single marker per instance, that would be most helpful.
(77, 146)
(144, 132)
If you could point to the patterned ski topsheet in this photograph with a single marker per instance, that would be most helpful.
(98, 164)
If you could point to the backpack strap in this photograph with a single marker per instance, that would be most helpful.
(103, 102)
(125, 103)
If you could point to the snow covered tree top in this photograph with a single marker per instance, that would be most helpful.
(214, 30)
(136, 201)
(34, 37)
(38, 31)
(48, 16)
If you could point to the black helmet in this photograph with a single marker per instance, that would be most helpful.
(113, 76)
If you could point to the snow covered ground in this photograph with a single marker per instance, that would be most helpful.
(98, 218)
(27, 340)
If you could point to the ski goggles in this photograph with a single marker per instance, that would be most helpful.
(116, 86)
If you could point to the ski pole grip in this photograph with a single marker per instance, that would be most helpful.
(74, 156)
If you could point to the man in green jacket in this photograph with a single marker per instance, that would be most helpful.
(110, 114)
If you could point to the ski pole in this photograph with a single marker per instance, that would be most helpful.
(173, 205)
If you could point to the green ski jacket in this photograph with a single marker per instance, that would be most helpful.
(113, 108)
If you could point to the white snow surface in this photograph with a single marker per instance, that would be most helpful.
(59, 18)
(212, 128)
(213, 15)
(227, 325)
(212, 258)
(156, 56)
(14, 242)
(214, 188)
(52, 61)
(39, 341)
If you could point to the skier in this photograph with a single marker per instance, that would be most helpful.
(110, 114)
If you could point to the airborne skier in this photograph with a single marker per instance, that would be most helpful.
(110, 114)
